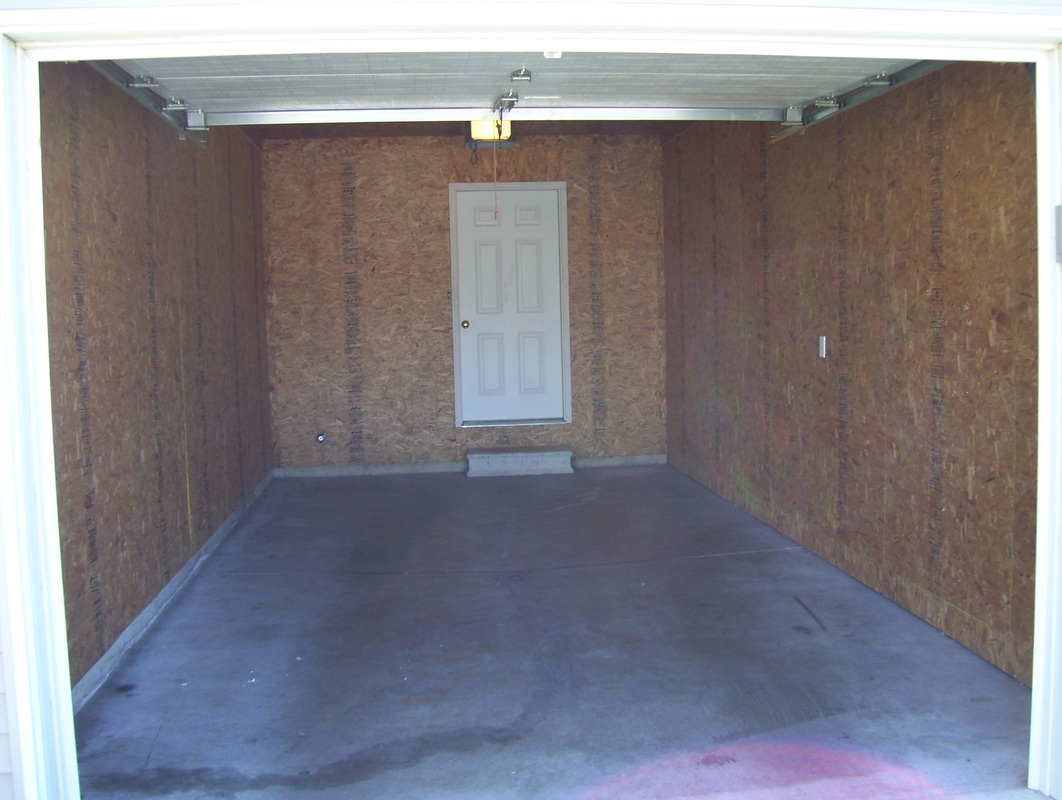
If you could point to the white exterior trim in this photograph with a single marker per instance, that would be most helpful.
(94, 30)
(36, 688)
(33, 625)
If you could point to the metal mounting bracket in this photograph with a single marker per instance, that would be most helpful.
(147, 91)
(796, 119)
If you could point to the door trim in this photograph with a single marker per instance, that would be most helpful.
(36, 710)
(1045, 734)
(560, 188)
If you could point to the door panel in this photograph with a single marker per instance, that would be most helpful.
(532, 363)
(488, 278)
(490, 349)
(510, 285)
(529, 277)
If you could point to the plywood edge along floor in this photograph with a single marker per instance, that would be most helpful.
(618, 633)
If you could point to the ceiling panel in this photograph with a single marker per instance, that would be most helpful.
(236, 88)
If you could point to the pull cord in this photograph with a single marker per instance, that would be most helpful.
(496, 138)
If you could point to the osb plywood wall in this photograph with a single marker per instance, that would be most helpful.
(358, 247)
(157, 329)
(904, 231)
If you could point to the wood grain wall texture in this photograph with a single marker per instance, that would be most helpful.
(903, 231)
(157, 329)
(360, 338)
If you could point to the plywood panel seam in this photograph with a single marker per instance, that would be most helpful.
(236, 320)
(161, 518)
(82, 338)
(596, 274)
(841, 357)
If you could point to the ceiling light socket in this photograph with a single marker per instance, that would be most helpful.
(552, 54)
(522, 74)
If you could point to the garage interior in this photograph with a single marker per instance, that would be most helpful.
(214, 309)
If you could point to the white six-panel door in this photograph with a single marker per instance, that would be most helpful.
(510, 303)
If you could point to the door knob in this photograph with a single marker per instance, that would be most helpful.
(464, 323)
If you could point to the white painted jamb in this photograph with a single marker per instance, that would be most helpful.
(1045, 736)
(783, 28)
(33, 625)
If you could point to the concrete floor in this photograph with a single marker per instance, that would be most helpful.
(620, 633)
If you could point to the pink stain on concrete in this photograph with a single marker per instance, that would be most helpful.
(772, 771)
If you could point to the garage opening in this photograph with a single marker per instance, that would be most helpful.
(185, 370)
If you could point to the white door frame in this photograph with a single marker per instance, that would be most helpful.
(35, 687)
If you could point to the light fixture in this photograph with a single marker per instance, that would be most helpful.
(490, 130)
(498, 132)
(495, 130)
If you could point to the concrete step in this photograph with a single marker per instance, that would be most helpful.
(493, 461)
